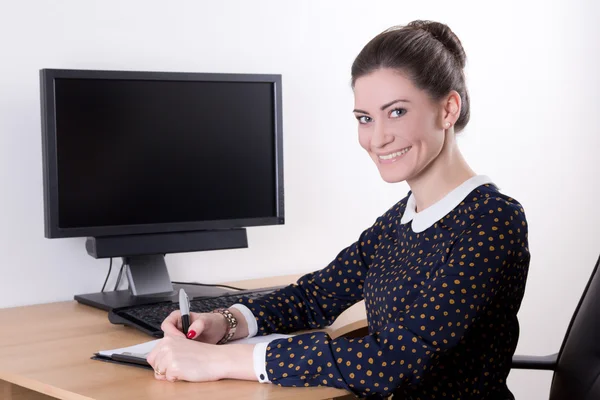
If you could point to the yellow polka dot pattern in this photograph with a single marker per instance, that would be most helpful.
(441, 307)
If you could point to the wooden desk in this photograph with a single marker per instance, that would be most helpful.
(45, 353)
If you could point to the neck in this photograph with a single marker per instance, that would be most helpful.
(443, 175)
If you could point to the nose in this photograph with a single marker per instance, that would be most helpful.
(380, 138)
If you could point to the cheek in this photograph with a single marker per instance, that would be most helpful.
(415, 130)
(421, 132)
(364, 138)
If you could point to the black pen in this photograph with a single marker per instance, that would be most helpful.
(184, 307)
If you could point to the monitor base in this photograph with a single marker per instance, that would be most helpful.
(123, 298)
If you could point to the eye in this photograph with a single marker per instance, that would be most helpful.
(397, 112)
(363, 119)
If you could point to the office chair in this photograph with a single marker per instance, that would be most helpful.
(577, 364)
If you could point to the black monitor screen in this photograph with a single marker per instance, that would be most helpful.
(134, 152)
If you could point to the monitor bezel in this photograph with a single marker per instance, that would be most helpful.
(50, 160)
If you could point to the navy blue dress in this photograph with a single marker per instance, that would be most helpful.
(441, 307)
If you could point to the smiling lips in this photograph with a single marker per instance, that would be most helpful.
(393, 157)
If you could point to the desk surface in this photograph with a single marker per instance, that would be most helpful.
(46, 349)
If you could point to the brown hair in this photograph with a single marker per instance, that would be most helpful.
(428, 52)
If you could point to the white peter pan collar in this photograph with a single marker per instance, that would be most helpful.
(432, 214)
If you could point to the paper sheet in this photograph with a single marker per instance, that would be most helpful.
(141, 350)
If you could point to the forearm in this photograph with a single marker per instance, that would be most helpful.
(236, 362)
(318, 298)
(374, 364)
(314, 302)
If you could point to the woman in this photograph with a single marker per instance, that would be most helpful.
(442, 272)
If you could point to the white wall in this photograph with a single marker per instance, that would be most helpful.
(535, 129)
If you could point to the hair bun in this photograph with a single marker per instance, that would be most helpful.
(444, 35)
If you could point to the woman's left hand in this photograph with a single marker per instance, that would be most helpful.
(181, 359)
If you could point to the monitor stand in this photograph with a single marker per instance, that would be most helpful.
(149, 282)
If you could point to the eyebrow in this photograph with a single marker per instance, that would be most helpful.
(383, 107)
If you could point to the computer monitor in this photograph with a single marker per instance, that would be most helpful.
(149, 163)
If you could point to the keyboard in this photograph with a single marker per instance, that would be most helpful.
(148, 317)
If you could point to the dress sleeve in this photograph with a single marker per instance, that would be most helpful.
(489, 258)
(318, 298)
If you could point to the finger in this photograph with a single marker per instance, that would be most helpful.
(159, 362)
(171, 326)
(151, 357)
(159, 348)
(196, 328)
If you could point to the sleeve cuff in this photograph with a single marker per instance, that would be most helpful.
(249, 317)
(260, 362)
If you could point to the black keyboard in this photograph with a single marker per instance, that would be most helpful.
(148, 317)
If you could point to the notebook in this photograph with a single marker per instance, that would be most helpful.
(136, 355)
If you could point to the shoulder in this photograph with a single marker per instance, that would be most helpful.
(487, 215)
(488, 205)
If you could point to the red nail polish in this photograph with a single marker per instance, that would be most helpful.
(191, 334)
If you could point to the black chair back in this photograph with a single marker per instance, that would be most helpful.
(577, 374)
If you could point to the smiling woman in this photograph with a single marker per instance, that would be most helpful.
(410, 98)
(442, 272)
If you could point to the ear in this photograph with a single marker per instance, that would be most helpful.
(451, 105)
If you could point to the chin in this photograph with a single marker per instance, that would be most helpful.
(392, 177)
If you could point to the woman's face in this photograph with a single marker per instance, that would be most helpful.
(399, 125)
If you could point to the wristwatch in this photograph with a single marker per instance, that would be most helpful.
(232, 323)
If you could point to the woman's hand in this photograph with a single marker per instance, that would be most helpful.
(181, 359)
(204, 327)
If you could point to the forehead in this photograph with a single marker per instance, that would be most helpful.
(384, 85)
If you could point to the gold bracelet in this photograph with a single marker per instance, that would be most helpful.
(232, 323)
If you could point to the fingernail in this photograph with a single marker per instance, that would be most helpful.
(191, 334)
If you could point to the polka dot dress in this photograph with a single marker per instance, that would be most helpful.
(441, 307)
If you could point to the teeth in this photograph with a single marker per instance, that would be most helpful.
(394, 155)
